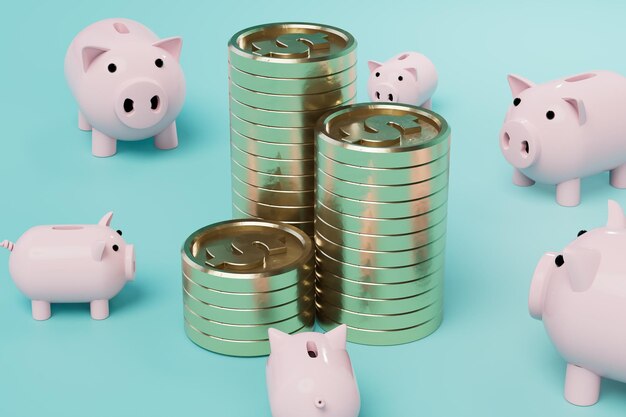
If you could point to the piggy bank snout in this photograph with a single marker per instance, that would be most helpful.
(141, 104)
(129, 262)
(385, 92)
(518, 144)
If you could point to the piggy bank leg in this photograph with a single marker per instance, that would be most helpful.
(41, 310)
(428, 104)
(83, 124)
(568, 193)
(99, 309)
(168, 139)
(521, 179)
(102, 145)
(582, 387)
(618, 177)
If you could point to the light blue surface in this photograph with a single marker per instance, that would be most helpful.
(489, 358)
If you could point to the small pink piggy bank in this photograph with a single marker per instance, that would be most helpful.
(408, 78)
(128, 84)
(564, 130)
(310, 375)
(581, 297)
(71, 264)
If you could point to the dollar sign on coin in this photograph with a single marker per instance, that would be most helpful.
(291, 45)
(245, 252)
(381, 130)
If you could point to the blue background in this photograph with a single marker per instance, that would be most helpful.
(489, 358)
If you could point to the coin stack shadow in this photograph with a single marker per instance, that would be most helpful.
(283, 77)
(382, 186)
(242, 277)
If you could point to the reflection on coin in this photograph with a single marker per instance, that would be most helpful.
(272, 150)
(262, 195)
(270, 165)
(273, 181)
(276, 212)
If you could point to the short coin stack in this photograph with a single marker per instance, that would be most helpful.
(283, 77)
(241, 277)
(382, 186)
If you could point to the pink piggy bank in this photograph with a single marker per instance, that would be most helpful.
(128, 84)
(408, 78)
(561, 131)
(310, 375)
(581, 297)
(71, 264)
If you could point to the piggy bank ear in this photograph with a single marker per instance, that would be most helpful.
(89, 54)
(413, 72)
(373, 65)
(581, 265)
(616, 216)
(106, 219)
(171, 45)
(277, 338)
(97, 250)
(579, 108)
(518, 84)
(337, 337)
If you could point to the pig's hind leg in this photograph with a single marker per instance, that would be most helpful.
(618, 177)
(83, 124)
(168, 138)
(582, 387)
(41, 310)
(99, 309)
(568, 193)
(102, 145)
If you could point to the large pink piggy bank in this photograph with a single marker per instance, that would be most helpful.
(408, 78)
(581, 297)
(561, 131)
(71, 264)
(128, 84)
(310, 375)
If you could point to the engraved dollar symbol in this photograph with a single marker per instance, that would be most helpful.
(245, 252)
(381, 130)
(291, 45)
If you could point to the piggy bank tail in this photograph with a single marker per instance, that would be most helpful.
(8, 245)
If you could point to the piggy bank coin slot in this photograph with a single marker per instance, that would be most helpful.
(311, 349)
(580, 77)
(67, 227)
(403, 57)
(121, 28)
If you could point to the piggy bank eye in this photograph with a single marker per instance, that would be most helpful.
(115, 248)
(112, 68)
(400, 78)
(559, 261)
(159, 63)
(517, 101)
(582, 232)
(550, 115)
(378, 74)
(119, 232)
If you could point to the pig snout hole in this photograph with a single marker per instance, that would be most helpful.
(154, 102)
(506, 140)
(311, 349)
(390, 96)
(525, 149)
(129, 105)
(378, 95)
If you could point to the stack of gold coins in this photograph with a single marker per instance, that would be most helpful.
(382, 187)
(242, 277)
(283, 77)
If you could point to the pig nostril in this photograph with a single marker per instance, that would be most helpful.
(390, 97)
(525, 148)
(128, 105)
(378, 95)
(506, 140)
(319, 403)
(154, 102)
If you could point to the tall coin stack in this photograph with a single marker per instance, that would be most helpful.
(283, 77)
(382, 186)
(242, 277)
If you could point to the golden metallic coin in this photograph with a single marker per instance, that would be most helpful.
(306, 226)
(292, 50)
(382, 135)
(273, 181)
(272, 150)
(248, 316)
(247, 256)
(379, 210)
(272, 166)
(383, 176)
(293, 102)
(305, 118)
(385, 337)
(380, 321)
(262, 195)
(326, 295)
(247, 332)
(275, 85)
(376, 226)
(364, 273)
(364, 289)
(382, 193)
(276, 212)
(287, 135)
(231, 347)
(383, 243)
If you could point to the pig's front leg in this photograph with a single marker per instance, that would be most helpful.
(99, 309)
(521, 179)
(568, 193)
(83, 124)
(618, 177)
(582, 387)
(102, 145)
(168, 138)
(41, 310)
